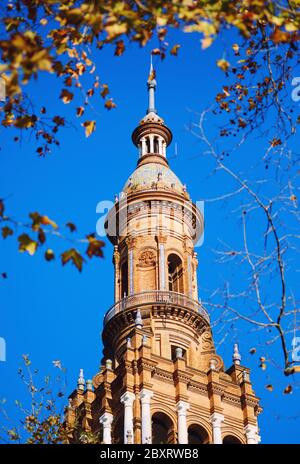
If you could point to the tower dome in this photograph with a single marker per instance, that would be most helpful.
(148, 175)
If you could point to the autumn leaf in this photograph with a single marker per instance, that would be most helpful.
(26, 359)
(120, 48)
(95, 247)
(288, 389)
(174, 50)
(74, 256)
(89, 126)
(41, 236)
(156, 51)
(263, 364)
(269, 387)
(66, 96)
(6, 231)
(116, 29)
(275, 142)
(206, 42)
(236, 48)
(223, 64)
(27, 244)
(49, 255)
(104, 91)
(79, 111)
(71, 226)
(109, 104)
(38, 220)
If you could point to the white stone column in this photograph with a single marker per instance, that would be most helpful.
(182, 408)
(106, 421)
(130, 272)
(251, 433)
(190, 278)
(145, 397)
(160, 145)
(162, 274)
(127, 399)
(216, 420)
(144, 148)
(164, 149)
(151, 137)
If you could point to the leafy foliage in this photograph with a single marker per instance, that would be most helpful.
(41, 229)
(42, 418)
(60, 38)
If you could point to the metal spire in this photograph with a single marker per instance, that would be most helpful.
(151, 84)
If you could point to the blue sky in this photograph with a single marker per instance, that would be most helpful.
(53, 312)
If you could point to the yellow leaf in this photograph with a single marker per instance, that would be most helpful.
(235, 48)
(27, 244)
(113, 30)
(89, 126)
(206, 42)
(46, 221)
(290, 27)
(223, 64)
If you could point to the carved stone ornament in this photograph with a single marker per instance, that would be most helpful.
(147, 259)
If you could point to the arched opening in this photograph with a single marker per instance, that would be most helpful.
(231, 440)
(197, 435)
(175, 272)
(124, 279)
(162, 429)
(156, 145)
(147, 145)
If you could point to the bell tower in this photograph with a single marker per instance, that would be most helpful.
(160, 379)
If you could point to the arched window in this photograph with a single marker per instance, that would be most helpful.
(175, 273)
(197, 435)
(156, 145)
(162, 429)
(231, 440)
(124, 279)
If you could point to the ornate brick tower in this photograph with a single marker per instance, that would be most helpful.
(161, 380)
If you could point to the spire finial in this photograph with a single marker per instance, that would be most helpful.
(81, 381)
(236, 355)
(151, 84)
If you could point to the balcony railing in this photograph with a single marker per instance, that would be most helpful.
(156, 297)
